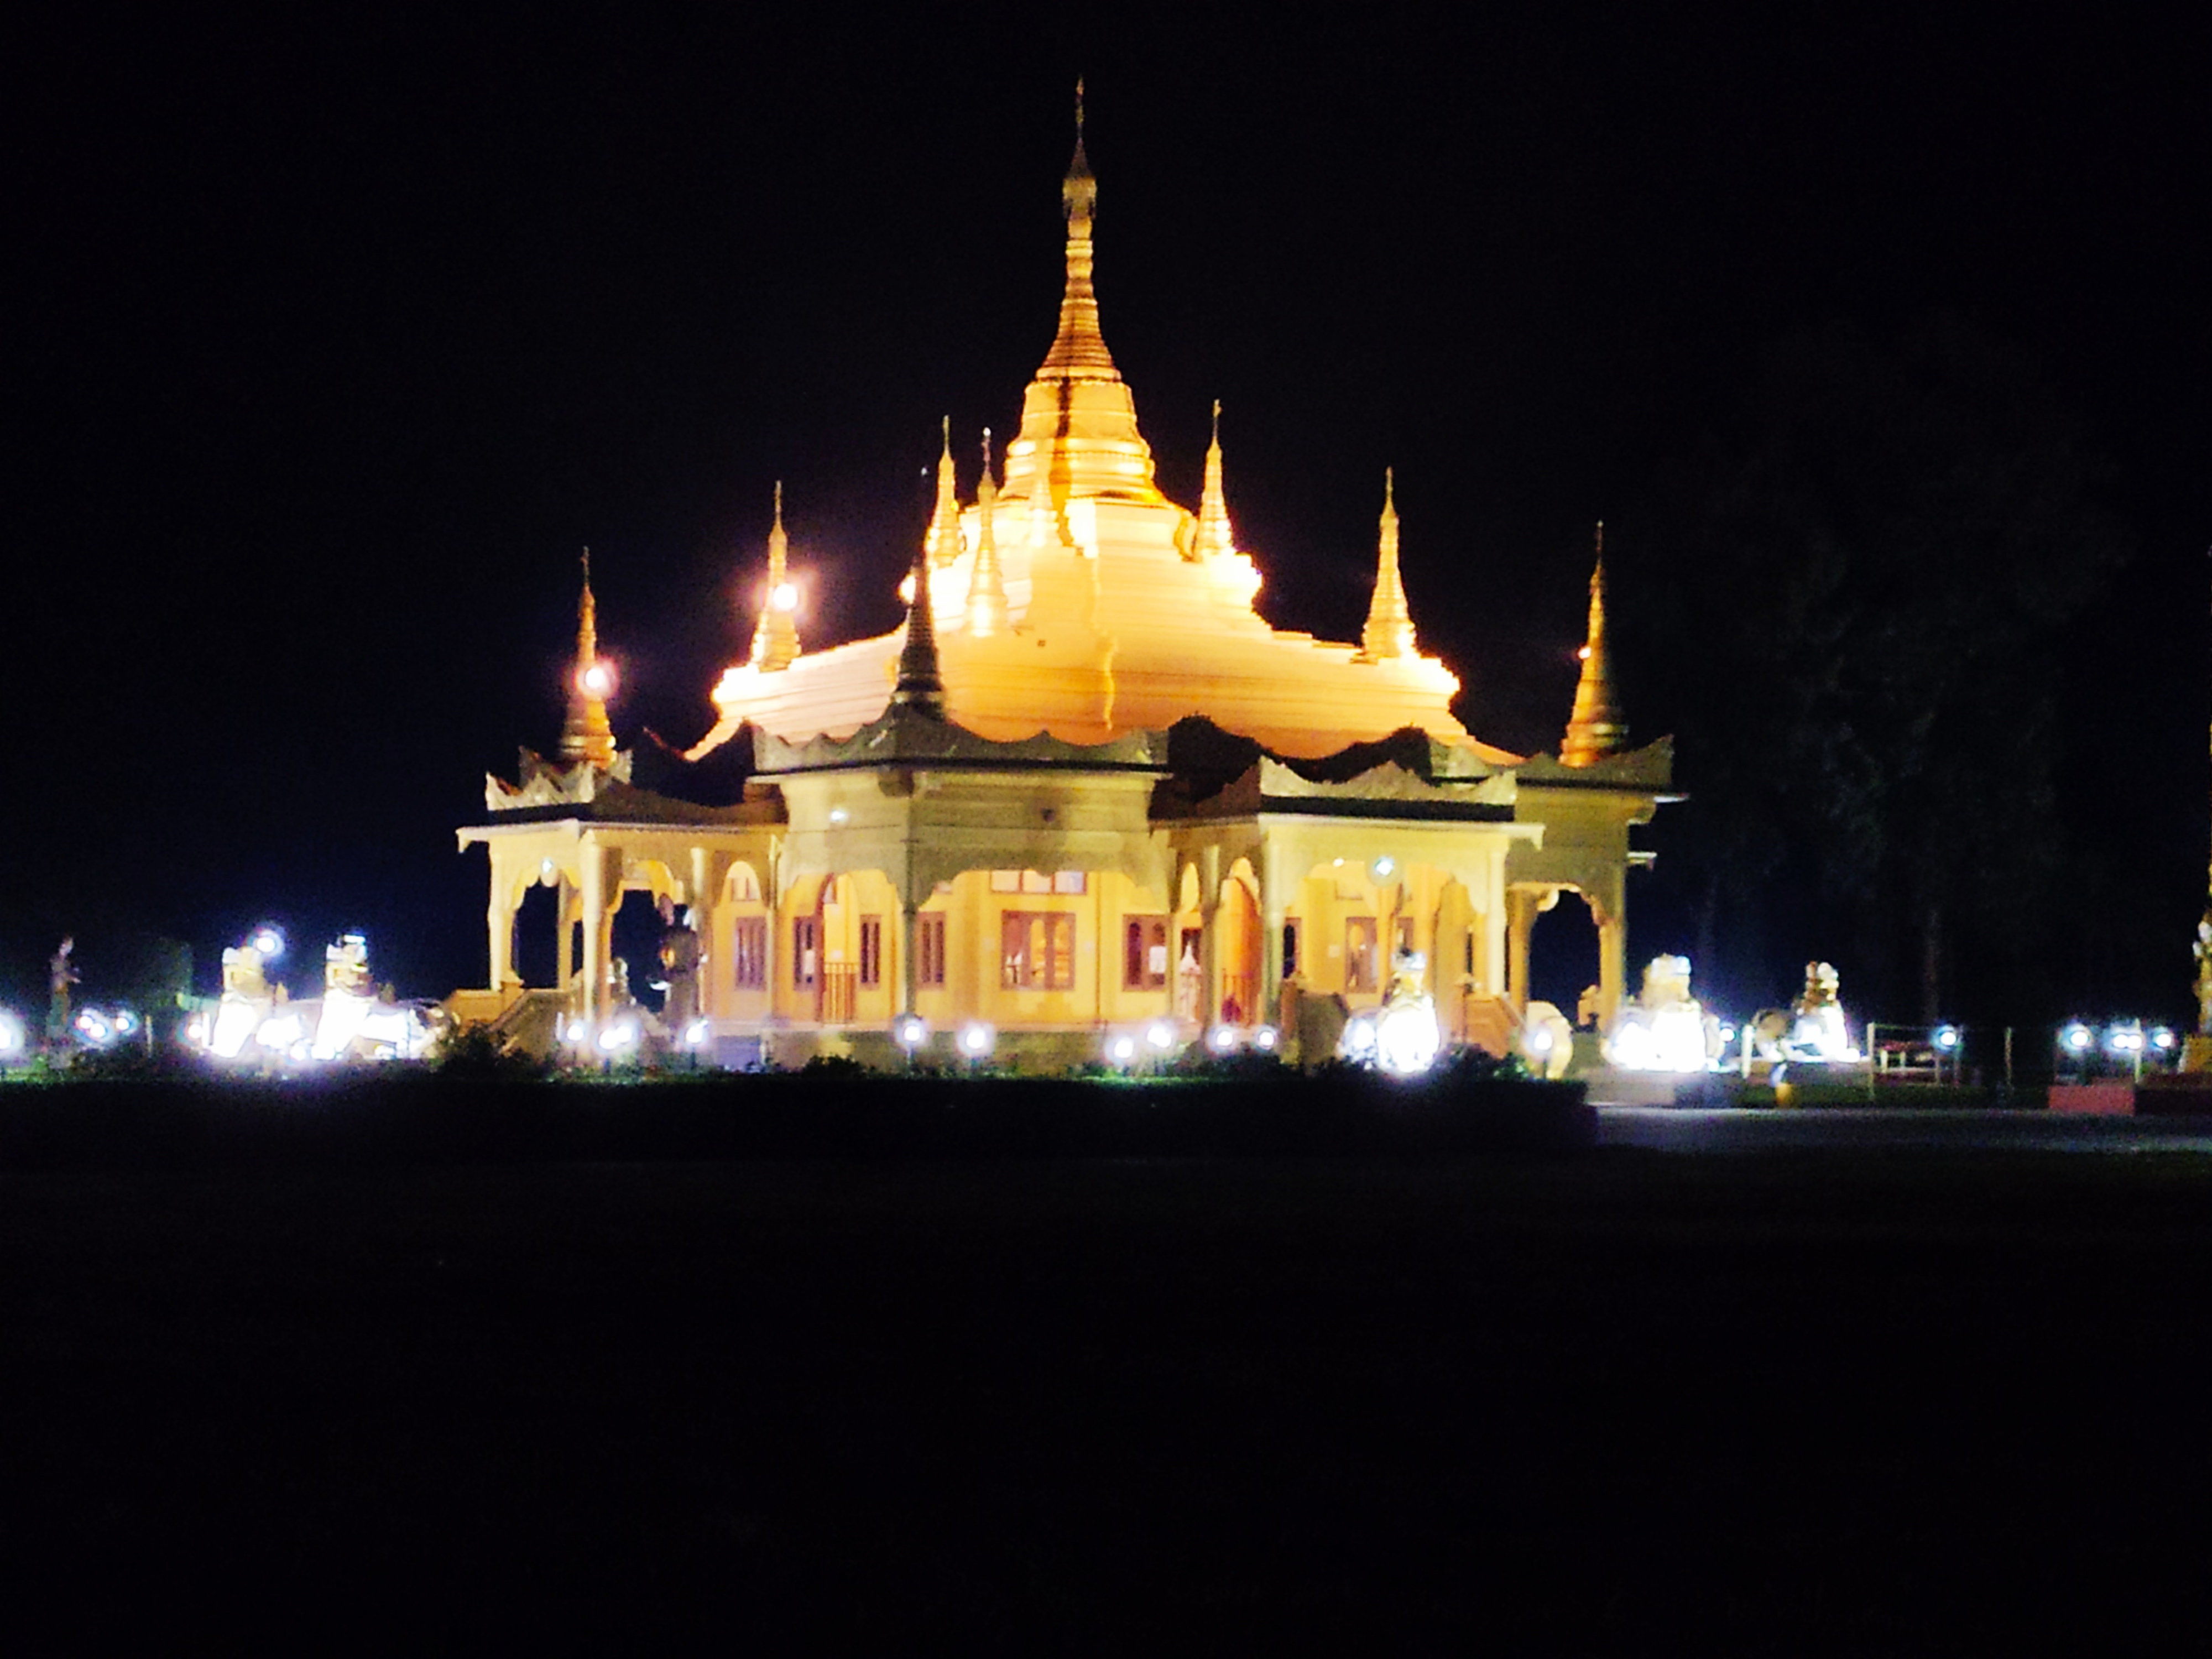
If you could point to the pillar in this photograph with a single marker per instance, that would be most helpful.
(1522, 907)
(565, 952)
(908, 911)
(499, 924)
(1612, 967)
(1209, 937)
(598, 928)
(1271, 939)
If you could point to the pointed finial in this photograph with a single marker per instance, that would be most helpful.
(942, 542)
(585, 735)
(1595, 729)
(920, 684)
(1214, 536)
(1389, 629)
(775, 638)
(987, 591)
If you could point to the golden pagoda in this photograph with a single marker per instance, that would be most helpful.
(1083, 784)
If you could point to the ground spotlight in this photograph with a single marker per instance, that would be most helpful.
(267, 940)
(1223, 1039)
(1359, 1039)
(2077, 1037)
(696, 1033)
(1121, 1048)
(977, 1040)
(2125, 1039)
(1946, 1038)
(575, 1031)
(910, 1031)
(1265, 1039)
(1160, 1035)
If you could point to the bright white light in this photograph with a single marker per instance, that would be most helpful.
(976, 1039)
(1358, 1040)
(696, 1033)
(1384, 867)
(618, 1036)
(906, 589)
(2162, 1038)
(1728, 1034)
(1223, 1039)
(1121, 1050)
(11, 1034)
(283, 1032)
(1160, 1035)
(93, 1026)
(1667, 1040)
(910, 1031)
(1406, 1038)
(784, 598)
(2077, 1037)
(235, 1022)
(268, 943)
(1265, 1039)
(597, 680)
(575, 1032)
(125, 1021)
(1540, 1040)
(2124, 1040)
(838, 815)
(1947, 1037)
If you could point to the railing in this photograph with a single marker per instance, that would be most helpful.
(840, 988)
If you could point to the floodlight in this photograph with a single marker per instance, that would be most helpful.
(1384, 867)
(2161, 1039)
(267, 941)
(1161, 1035)
(1946, 1037)
(785, 597)
(1265, 1039)
(910, 1031)
(576, 1031)
(2125, 1039)
(977, 1040)
(597, 680)
(1358, 1041)
(2077, 1037)
(1223, 1039)
(1121, 1049)
(696, 1033)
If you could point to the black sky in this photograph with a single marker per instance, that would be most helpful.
(334, 338)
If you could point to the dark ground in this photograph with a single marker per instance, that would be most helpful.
(1610, 1401)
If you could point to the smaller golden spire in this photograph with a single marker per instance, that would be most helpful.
(942, 543)
(775, 639)
(1079, 350)
(986, 591)
(1215, 534)
(1390, 630)
(585, 735)
(920, 684)
(1596, 728)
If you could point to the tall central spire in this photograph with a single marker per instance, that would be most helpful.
(1214, 536)
(1079, 436)
(1078, 351)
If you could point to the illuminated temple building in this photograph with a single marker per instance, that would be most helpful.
(1083, 785)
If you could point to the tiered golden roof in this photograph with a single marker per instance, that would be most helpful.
(1073, 597)
(585, 735)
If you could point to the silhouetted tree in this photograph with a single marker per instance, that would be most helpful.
(1847, 613)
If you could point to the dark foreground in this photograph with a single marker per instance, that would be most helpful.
(1612, 1401)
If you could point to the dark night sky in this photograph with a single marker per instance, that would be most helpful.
(332, 342)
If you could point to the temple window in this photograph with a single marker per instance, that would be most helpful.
(804, 938)
(748, 951)
(1062, 881)
(929, 951)
(1144, 953)
(872, 950)
(1037, 950)
(1290, 948)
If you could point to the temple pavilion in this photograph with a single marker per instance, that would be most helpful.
(1083, 785)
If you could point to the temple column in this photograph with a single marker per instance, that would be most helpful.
(1209, 937)
(598, 920)
(1522, 906)
(909, 927)
(565, 952)
(1271, 939)
(1612, 967)
(499, 923)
